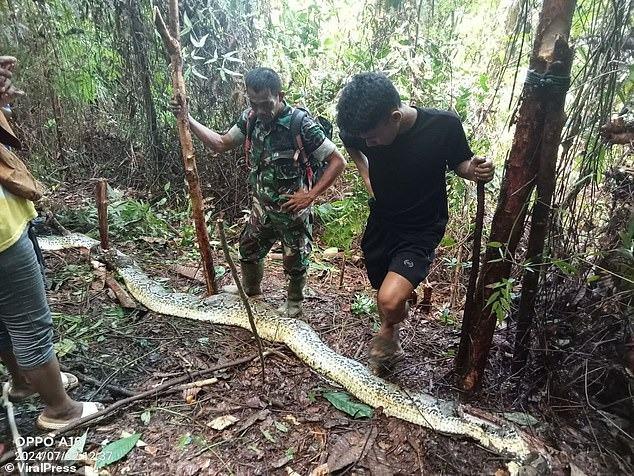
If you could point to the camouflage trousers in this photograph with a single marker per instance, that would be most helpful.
(266, 226)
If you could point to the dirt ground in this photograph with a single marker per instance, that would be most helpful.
(285, 426)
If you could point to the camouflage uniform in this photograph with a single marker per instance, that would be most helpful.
(274, 174)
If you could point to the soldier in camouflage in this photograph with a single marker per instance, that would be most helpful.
(282, 198)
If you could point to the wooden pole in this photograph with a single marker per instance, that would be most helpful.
(172, 44)
(243, 296)
(101, 192)
(467, 313)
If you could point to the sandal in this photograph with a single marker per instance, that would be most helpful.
(88, 408)
(68, 380)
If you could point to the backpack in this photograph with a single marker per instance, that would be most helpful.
(313, 171)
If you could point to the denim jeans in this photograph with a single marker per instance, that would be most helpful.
(26, 325)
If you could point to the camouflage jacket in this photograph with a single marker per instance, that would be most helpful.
(273, 172)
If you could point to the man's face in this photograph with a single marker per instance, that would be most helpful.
(265, 104)
(385, 132)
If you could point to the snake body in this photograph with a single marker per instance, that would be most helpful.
(227, 309)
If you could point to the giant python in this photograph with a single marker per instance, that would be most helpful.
(416, 407)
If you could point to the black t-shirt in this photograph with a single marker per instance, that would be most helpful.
(408, 176)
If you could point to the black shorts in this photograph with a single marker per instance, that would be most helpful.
(387, 249)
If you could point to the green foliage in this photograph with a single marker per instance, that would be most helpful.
(342, 401)
(116, 450)
(501, 298)
(127, 218)
(363, 304)
(344, 219)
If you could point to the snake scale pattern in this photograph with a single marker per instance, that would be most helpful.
(442, 416)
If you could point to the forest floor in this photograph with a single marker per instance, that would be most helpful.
(286, 425)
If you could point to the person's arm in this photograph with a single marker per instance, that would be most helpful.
(477, 169)
(361, 162)
(304, 198)
(8, 92)
(213, 140)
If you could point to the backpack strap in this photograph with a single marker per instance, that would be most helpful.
(247, 139)
(300, 153)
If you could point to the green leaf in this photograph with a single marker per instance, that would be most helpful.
(183, 441)
(268, 436)
(198, 43)
(197, 74)
(187, 21)
(145, 417)
(78, 447)
(116, 450)
(494, 244)
(341, 401)
(281, 427)
(523, 419)
(64, 346)
(565, 266)
(492, 298)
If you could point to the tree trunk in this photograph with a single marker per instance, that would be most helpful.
(535, 113)
(172, 43)
(139, 41)
(551, 138)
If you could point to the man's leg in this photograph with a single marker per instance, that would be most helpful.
(26, 316)
(19, 386)
(407, 268)
(392, 300)
(256, 241)
(296, 237)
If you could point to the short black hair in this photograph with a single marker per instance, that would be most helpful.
(260, 79)
(365, 101)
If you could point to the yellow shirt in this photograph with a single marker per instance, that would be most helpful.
(15, 213)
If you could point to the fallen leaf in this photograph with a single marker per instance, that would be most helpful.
(268, 436)
(277, 464)
(321, 470)
(139, 443)
(342, 401)
(222, 422)
(281, 427)
(189, 394)
(291, 418)
(349, 448)
(259, 416)
(116, 450)
(152, 450)
(522, 419)
(330, 252)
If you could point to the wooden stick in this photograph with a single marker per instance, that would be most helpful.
(243, 296)
(148, 393)
(122, 295)
(94, 381)
(172, 44)
(469, 305)
(343, 269)
(101, 192)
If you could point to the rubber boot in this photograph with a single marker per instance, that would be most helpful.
(252, 273)
(293, 305)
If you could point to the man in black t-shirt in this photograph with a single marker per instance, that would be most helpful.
(402, 154)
